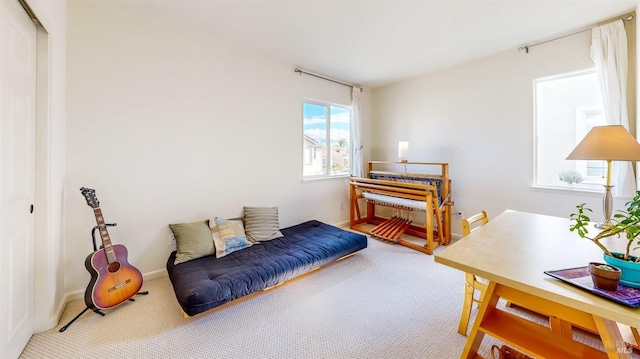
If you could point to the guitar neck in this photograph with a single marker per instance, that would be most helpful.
(104, 236)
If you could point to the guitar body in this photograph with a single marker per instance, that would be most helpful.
(111, 283)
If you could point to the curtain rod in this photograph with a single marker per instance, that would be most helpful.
(627, 17)
(302, 71)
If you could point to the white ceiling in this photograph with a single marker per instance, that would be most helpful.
(373, 43)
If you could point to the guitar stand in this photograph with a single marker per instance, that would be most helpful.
(97, 311)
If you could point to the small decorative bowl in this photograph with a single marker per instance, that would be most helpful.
(605, 276)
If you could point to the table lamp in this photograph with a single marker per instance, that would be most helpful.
(607, 143)
(403, 151)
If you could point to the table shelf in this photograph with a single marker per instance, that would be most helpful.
(533, 338)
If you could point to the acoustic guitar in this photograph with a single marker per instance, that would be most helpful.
(113, 279)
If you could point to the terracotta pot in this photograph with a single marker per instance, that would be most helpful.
(606, 279)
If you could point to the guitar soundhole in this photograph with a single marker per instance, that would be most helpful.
(113, 267)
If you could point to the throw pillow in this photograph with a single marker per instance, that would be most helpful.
(261, 223)
(193, 240)
(228, 236)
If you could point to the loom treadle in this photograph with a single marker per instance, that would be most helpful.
(391, 229)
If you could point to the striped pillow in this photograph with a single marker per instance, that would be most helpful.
(261, 223)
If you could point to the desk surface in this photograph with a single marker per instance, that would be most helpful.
(515, 248)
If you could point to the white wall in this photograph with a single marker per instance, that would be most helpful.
(170, 126)
(478, 117)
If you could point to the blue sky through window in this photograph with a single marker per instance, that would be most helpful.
(315, 123)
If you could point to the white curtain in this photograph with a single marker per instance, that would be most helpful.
(609, 53)
(357, 165)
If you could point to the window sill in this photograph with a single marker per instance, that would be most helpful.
(324, 178)
(581, 191)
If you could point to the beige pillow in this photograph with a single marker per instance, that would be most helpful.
(193, 240)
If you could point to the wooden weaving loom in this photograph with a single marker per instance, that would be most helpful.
(405, 193)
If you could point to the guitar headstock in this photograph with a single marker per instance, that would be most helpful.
(90, 195)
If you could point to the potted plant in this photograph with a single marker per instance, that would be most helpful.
(605, 276)
(624, 224)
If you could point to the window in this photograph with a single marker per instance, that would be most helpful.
(566, 108)
(326, 139)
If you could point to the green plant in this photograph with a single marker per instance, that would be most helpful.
(607, 267)
(625, 223)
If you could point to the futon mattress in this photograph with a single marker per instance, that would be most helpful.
(207, 282)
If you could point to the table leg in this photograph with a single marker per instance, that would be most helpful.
(611, 338)
(475, 336)
(636, 336)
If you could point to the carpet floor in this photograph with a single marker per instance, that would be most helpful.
(387, 301)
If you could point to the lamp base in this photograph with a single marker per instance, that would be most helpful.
(607, 205)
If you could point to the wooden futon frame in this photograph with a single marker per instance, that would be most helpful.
(405, 193)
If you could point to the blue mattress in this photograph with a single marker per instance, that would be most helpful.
(207, 282)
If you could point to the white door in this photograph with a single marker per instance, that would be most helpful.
(17, 170)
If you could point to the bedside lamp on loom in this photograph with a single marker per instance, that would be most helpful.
(607, 143)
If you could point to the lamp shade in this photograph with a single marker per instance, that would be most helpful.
(613, 143)
(403, 150)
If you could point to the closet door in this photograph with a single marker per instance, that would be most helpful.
(17, 170)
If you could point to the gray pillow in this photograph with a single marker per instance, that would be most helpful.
(193, 240)
(261, 223)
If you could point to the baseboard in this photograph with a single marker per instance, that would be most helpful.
(55, 317)
(155, 274)
(54, 320)
(345, 224)
(79, 294)
(75, 295)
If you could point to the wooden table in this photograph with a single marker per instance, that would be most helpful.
(513, 250)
